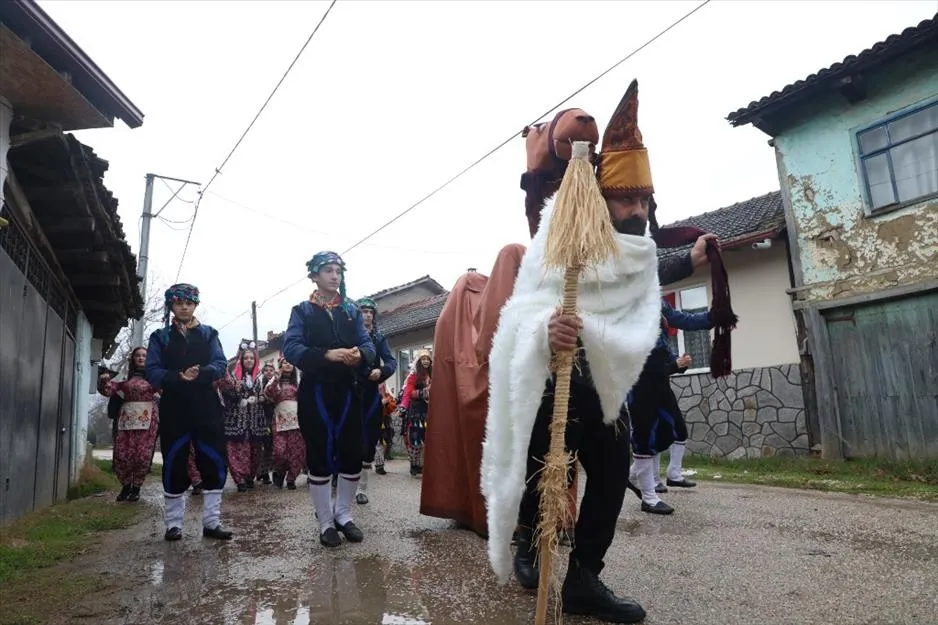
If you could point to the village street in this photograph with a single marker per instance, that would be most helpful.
(730, 555)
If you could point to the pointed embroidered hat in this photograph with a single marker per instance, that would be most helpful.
(624, 168)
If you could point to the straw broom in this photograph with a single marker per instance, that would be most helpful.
(580, 235)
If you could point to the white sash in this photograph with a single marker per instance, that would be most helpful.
(285, 418)
(135, 415)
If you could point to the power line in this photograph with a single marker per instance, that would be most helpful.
(244, 134)
(514, 135)
(492, 151)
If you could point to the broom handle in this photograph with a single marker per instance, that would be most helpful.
(558, 429)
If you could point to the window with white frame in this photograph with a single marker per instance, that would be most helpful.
(697, 342)
(899, 158)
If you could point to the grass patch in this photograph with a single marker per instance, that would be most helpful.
(34, 588)
(917, 480)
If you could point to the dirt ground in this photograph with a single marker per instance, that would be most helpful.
(730, 555)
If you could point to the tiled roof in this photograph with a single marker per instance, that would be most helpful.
(737, 222)
(926, 33)
(433, 284)
(413, 316)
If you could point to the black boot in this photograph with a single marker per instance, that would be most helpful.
(278, 479)
(134, 494)
(125, 492)
(583, 593)
(526, 570)
(380, 470)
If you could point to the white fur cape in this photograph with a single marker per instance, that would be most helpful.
(620, 305)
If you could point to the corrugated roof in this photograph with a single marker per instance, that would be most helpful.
(413, 316)
(764, 213)
(925, 33)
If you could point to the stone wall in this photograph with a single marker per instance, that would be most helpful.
(749, 414)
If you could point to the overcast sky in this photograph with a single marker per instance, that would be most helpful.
(393, 98)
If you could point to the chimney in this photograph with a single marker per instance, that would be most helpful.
(471, 270)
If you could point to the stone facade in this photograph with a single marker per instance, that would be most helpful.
(749, 414)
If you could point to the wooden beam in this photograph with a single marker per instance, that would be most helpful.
(82, 256)
(26, 138)
(111, 307)
(853, 88)
(828, 404)
(866, 298)
(61, 196)
(72, 226)
(94, 280)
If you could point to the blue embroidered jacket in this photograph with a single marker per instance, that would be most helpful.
(201, 347)
(313, 331)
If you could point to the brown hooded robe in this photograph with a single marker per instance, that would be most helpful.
(458, 406)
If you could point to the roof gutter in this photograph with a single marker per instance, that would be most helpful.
(752, 238)
(30, 22)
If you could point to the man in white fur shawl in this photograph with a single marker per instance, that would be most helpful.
(619, 312)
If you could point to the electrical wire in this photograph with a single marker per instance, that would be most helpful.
(490, 152)
(244, 134)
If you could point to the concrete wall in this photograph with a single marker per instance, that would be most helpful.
(85, 386)
(844, 251)
(759, 279)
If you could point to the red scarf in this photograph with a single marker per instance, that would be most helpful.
(330, 305)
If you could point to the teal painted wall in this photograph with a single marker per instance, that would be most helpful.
(842, 251)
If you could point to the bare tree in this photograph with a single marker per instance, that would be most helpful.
(152, 318)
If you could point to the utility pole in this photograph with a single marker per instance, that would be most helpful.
(144, 257)
(254, 319)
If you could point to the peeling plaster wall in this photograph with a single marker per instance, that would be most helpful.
(844, 252)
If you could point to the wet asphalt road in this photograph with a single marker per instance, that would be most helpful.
(730, 555)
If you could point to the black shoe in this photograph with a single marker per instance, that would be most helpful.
(659, 508)
(125, 492)
(134, 494)
(380, 471)
(264, 478)
(414, 471)
(361, 498)
(242, 488)
(330, 538)
(583, 593)
(351, 532)
(249, 483)
(173, 533)
(278, 479)
(660, 488)
(197, 489)
(682, 483)
(291, 485)
(217, 532)
(526, 570)
(635, 489)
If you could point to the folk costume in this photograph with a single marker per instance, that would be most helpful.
(190, 412)
(656, 419)
(463, 340)
(329, 400)
(386, 438)
(415, 401)
(137, 423)
(245, 421)
(372, 404)
(619, 305)
(289, 447)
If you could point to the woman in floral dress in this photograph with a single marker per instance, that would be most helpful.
(243, 416)
(137, 425)
(414, 403)
(289, 447)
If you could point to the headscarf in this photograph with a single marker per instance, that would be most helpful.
(178, 293)
(322, 259)
(367, 302)
(247, 346)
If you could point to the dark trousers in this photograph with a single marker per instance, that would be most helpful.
(657, 421)
(330, 417)
(177, 431)
(603, 450)
(372, 417)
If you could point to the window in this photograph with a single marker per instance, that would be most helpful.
(405, 357)
(899, 158)
(695, 343)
